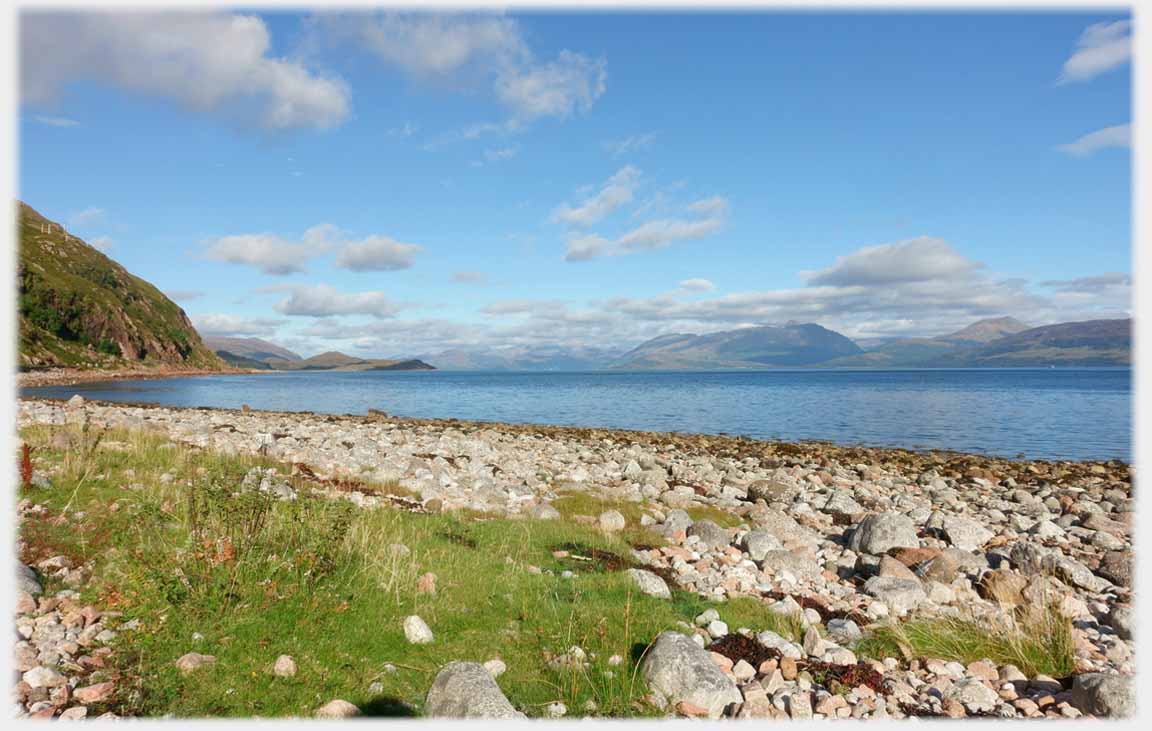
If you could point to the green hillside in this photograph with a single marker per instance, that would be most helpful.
(79, 308)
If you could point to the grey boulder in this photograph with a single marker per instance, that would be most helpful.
(758, 543)
(677, 670)
(901, 595)
(965, 533)
(26, 580)
(881, 532)
(1104, 694)
(467, 690)
(710, 534)
(650, 583)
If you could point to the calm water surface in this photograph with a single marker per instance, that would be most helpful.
(1041, 413)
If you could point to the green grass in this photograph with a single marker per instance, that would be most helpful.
(174, 547)
(1037, 641)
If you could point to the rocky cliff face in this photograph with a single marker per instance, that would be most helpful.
(79, 308)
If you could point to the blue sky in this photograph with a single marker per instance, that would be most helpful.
(396, 184)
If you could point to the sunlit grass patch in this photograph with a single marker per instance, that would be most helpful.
(1037, 641)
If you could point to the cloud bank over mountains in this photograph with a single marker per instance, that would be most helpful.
(913, 287)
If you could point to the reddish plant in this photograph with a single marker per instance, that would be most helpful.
(26, 466)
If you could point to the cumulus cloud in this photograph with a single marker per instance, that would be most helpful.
(1118, 136)
(325, 301)
(919, 259)
(481, 48)
(377, 254)
(102, 243)
(277, 256)
(697, 285)
(617, 191)
(270, 253)
(222, 324)
(630, 144)
(205, 61)
(1102, 47)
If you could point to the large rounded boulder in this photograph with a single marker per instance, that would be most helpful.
(467, 690)
(880, 532)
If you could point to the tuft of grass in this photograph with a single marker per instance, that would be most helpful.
(1037, 640)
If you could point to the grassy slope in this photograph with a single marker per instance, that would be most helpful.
(80, 308)
(319, 581)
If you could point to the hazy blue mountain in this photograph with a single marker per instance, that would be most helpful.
(523, 358)
(1088, 343)
(250, 348)
(752, 347)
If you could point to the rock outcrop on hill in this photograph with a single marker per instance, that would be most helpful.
(79, 308)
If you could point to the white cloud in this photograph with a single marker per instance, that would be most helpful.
(586, 247)
(910, 260)
(430, 43)
(86, 217)
(714, 207)
(697, 285)
(617, 191)
(1118, 136)
(206, 61)
(521, 307)
(662, 232)
(274, 255)
(922, 301)
(56, 121)
(377, 254)
(572, 83)
(325, 301)
(708, 216)
(1102, 47)
(628, 145)
(471, 48)
(183, 295)
(271, 254)
(221, 324)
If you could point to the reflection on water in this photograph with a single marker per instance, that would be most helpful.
(1041, 413)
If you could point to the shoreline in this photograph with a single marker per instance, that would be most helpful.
(73, 376)
(694, 444)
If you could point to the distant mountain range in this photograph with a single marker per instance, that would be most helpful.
(993, 342)
(520, 358)
(753, 347)
(260, 354)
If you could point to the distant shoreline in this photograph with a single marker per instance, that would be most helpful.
(71, 376)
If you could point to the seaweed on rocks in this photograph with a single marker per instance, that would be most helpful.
(737, 647)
